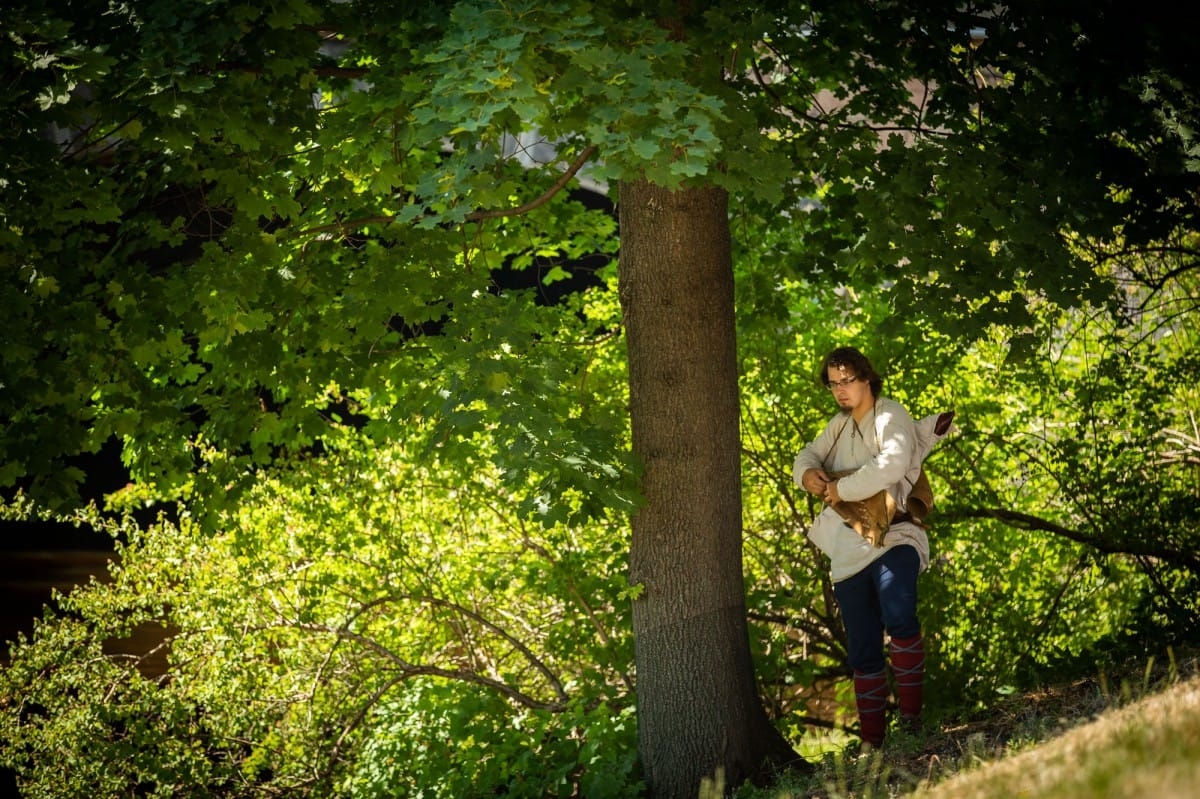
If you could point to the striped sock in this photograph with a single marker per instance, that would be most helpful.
(870, 696)
(908, 666)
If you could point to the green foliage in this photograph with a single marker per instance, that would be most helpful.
(1082, 467)
(351, 608)
(220, 220)
(271, 266)
(581, 752)
(1063, 531)
(258, 246)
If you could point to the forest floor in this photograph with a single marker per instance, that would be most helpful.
(1134, 732)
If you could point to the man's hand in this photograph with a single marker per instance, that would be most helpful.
(815, 481)
(831, 493)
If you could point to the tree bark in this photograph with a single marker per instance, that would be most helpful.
(698, 705)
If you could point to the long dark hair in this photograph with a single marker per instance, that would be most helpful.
(854, 362)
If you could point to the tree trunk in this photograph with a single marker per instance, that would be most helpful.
(698, 706)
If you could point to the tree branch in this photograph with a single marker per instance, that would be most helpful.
(408, 670)
(343, 632)
(350, 73)
(1023, 521)
(563, 180)
(475, 216)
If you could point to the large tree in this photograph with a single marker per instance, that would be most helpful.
(228, 227)
(690, 619)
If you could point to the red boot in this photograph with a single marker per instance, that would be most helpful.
(908, 666)
(870, 696)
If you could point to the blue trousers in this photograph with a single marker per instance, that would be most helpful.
(883, 596)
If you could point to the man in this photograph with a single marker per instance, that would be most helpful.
(870, 446)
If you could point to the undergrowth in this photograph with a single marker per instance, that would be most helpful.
(916, 764)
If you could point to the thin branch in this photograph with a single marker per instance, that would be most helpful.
(1041, 629)
(353, 723)
(520, 647)
(1025, 521)
(1187, 445)
(409, 670)
(475, 216)
(321, 71)
(344, 633)
(559, 184)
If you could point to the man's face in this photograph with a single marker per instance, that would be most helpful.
(850, 392)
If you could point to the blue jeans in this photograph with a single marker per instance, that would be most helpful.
(881, 597)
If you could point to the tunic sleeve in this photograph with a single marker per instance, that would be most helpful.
(896, 438)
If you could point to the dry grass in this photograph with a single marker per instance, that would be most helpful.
(1150, 748)
(1136, 734)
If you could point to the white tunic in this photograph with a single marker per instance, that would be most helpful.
(886, 452)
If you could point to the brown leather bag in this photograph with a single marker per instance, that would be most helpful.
(920, 499)
(872, 517)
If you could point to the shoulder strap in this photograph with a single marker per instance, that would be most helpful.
(875, 425)
(829, 454)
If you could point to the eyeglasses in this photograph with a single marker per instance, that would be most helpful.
(834, 385)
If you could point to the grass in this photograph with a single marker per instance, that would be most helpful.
(1136, 734)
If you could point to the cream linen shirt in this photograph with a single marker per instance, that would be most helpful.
(886, 453)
